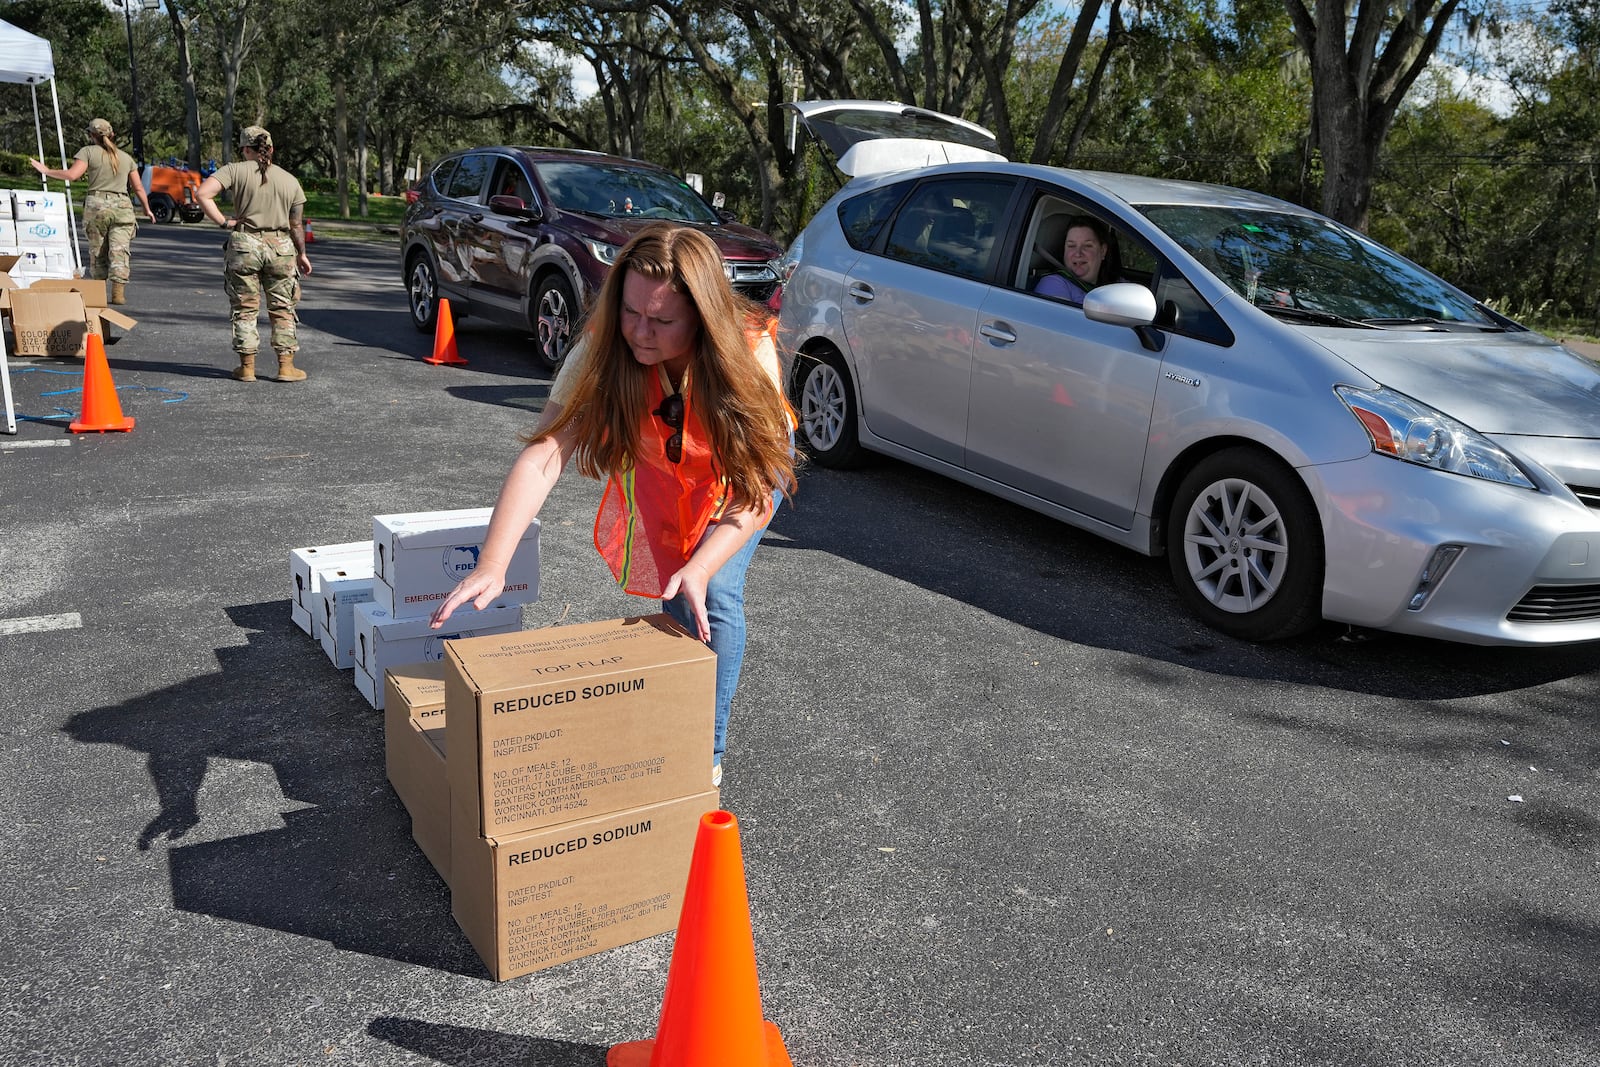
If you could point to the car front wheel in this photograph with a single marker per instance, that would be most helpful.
(161, 207)
(828, 412)
(422, 289)
(1245, 547)
(554, 308)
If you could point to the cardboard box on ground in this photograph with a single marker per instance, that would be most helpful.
(574, 765)
(419, 557)
(55, 316)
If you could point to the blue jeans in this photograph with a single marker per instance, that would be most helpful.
(725, 615)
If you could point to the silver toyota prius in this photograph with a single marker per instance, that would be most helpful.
(1307, 425)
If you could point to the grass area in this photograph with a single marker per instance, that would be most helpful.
(384, 210)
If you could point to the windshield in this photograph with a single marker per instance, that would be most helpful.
(1279, 260)
(618, 191)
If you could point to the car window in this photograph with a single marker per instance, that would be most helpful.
(949, 225)
(1055, 221)
(1180, 309)
(615, 190)
(441, 175)
(862, 217)
(509, 180)
(1284, 259)
(467, 181)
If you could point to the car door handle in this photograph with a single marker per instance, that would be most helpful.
(862, 293)
(998, 331)
(476, 216)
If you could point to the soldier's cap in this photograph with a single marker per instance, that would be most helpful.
(99, 128)
(255, 137)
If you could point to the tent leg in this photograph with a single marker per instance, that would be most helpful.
(72, 218)
(5, 382)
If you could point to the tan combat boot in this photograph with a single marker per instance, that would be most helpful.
(287, 372)
(118, 295)
(246, 371)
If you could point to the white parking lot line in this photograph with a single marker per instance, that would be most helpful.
(9, 445)
(70, 621)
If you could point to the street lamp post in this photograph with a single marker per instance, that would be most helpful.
(133, 73)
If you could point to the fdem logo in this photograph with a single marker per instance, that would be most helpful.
(433, 647)
(460, 561)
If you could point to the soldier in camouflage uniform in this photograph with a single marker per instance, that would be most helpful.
(265, 253)
(108, 217)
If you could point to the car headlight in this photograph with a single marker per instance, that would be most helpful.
(603, 252)
(784, 266)
(1405, 429)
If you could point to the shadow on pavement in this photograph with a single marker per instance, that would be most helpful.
(1040, 573)
(459, 1046)
(343, 867)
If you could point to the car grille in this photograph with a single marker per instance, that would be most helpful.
(1588, 494)
(755, 280)
(1557, 603)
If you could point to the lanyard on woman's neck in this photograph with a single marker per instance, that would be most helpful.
(666, 381)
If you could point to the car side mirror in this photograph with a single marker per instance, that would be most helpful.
(1126, 304)
(726, 216)
(511, 205)
(1121, 304)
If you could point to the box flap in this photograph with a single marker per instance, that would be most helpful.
(498, 661)
(93, 290)
(116, 318)
(463, 620)
(421, 684)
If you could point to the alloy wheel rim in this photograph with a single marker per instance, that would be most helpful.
(1235, 545)
(421, 292)
(552, 325)
(822, 407)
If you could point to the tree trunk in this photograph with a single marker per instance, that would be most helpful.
(1055, 112)
(341, 135)
(1358, 79)
(191, 94)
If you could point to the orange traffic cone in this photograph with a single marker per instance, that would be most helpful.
(101, 410)
(444, 337)
(712, 1009)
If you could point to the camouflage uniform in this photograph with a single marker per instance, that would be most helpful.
(109, 222)
(257, 263)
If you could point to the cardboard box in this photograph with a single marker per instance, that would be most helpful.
(419, 558)
(382, 641)
(303, 618)
(305, 590)
(343, 587)
(532, 901)
(34, 205)
(54, 316)
(54, 232)
(9, 261)
(550, 725)
(414, 755)
(37, 262)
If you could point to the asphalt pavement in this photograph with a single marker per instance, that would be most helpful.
(1000, 801)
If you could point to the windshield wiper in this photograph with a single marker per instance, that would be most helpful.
(1321, 318)
(1443, 324)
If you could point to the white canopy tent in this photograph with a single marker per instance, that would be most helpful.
(29, 60)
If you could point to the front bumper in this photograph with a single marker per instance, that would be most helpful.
(1383, 518)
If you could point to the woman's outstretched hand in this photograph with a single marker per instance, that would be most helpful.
(480, 588)
(691, 582)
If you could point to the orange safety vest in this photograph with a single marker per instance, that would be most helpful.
(654, 514)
